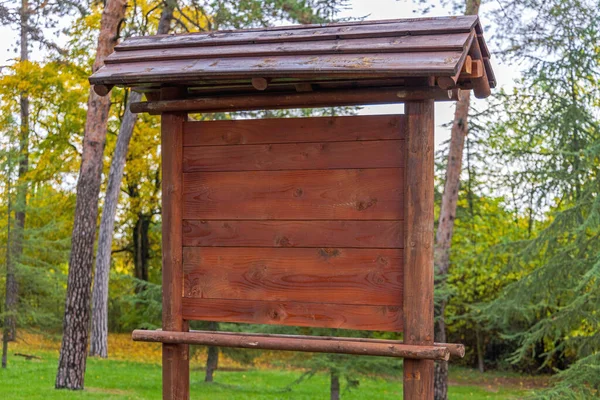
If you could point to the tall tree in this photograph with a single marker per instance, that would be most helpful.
(443, 237)
(71, 366)
(99, 339)
(547, 136)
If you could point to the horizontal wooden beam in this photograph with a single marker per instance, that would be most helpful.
(330, 98)
(314, 344)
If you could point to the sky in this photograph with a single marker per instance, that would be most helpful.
(372, 10)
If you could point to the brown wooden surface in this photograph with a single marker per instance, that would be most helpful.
(418, 255)
(351, 194)
(427, 26)
(353, 234)
(362, 317)
(325, 98)
(393, 64)
(333, 275)
(399, 43)
(455, 349)
(295, 156)
(175, 357)
(293, 130)
(291, 343)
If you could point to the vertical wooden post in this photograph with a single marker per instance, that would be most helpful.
(175, 358)
(418, 261)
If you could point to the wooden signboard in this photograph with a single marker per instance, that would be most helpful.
(317, 222)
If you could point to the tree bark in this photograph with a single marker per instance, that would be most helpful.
(99, 340)
(71, 365)
(334, 390)
(141, 247)
(6, 328)
(16, 248)
(445, 228)
(212, 359)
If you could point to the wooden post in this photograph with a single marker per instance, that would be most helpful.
(418, 254)
(175, 356)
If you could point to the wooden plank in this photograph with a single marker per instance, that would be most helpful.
(427, 26)
(418, 267)
(175, 357)
(356, 234)
(315, 195)
(295, 156)
(394, 44)
(377, 318)
(281, 100)
(293, 130)
(339, 276)
(393, 64)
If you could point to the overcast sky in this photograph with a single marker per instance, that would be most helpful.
(371, 9)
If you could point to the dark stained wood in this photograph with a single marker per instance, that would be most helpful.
(175, 357)
(314, 195)
(392, 64)
(334, 275)
(362, 317)
(293, 130)
(426, 26)
(260, 83)
(481, 86)
(324, 98)
(290, 343)
(399, 43)
(295, 156)
(418, 267)
(355, 234)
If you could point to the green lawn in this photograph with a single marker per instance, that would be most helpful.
(108, 379)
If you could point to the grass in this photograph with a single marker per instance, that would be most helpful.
(119, 379)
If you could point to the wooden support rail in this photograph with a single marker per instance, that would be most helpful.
(327, 98)
(314, 344)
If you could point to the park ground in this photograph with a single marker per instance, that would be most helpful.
(133, 372)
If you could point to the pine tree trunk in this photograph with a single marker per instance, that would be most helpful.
(99, 340)
(480, 352)
(141, 247)
(445, 229)
(16, 248)
(6, 328)
(335, 386)
(212, 358)
(73, 352)
(212, 362)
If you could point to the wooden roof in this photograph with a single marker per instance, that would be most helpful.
(386, 53)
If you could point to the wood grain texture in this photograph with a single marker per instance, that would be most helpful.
(306, 33)
(175, 357)
(418, 267)
(379, 318)
(293, 130)
(331, 275)
(171, 71)
(231, 233)
(448, 42)
(295, 156)
(295, 343)
(315, 195)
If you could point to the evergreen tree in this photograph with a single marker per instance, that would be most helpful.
(547, 140)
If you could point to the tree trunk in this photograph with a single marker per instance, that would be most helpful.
(212, 358)
(99, 341)
(335, 386)
(71, 365)
(16, 247)
(445, 228)
(9, 271)
(480, 351)
(141, 246)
